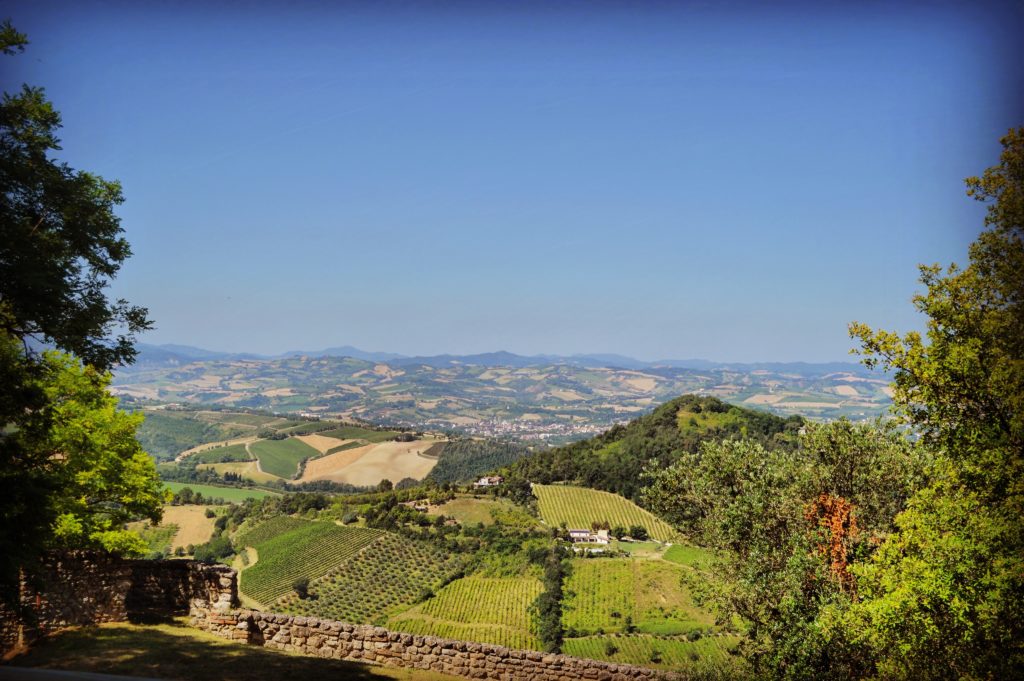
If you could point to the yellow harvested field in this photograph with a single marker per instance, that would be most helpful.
(846, 391)
(279, 392)
(322, 443)
(327, 467)
(645, 384)
(764, 399)
(247, 469)
(367, 466)
(193, 525)
(567, 395)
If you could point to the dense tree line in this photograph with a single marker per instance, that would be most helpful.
(617, 460)
(873, 552)
(71, 470)
(465, 459)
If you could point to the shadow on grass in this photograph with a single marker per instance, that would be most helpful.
(176, 651)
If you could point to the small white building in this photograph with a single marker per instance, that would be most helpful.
(489, 481)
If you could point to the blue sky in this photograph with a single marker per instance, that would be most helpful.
(660, 180)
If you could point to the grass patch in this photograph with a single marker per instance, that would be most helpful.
(710, 654)
(228, 494)
(687, 554)
(605, 591)
(177, 651)
(282, 457)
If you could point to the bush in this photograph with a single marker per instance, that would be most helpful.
(301, 587)
(209, 513)
(610, 649)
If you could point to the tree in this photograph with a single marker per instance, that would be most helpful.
(944, 595)
(60, 240)
(786, 526)
(70, 469)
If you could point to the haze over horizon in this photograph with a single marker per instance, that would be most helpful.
(662, 181)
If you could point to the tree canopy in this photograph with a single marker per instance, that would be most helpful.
(71, 470)
(60, 241)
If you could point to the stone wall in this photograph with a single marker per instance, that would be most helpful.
(363, 643)
(84, 587)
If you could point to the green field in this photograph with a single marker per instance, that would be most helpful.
(219, 454)
(357, 433)
(687, 554)
(709, 653)
(282, 457)
(484, 609)
(469, 511)
(389, 574)
(607, 590)
(309, 550)
(229, 494)
(578, 507)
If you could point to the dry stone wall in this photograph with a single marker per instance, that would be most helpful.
(376, 645)
(86, 587)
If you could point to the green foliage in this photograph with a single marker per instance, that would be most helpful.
(782, 563)
(944, 595)
(547, 607)
(465, 460)
(60, 239)
(165, 434)
(71, 472)
(616, 460)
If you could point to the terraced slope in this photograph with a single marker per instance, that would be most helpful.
(309, 550)
(387, 575)
(485, 609)
(580, 506)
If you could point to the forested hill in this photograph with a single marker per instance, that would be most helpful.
(615, 460)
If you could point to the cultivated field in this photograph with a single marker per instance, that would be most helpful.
(282, 457)
(193, 525)
(387, 575)
(309, 550)
(249, 470)
(368, 465)
(578, 507)
(607, 590)
(230, 494)
(484, 609)
(671, 653)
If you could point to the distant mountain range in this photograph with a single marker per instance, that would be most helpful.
(172, 354)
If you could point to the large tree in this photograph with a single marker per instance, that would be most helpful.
(71, 471)
(944, 596)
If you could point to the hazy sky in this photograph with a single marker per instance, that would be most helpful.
(660, 180)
